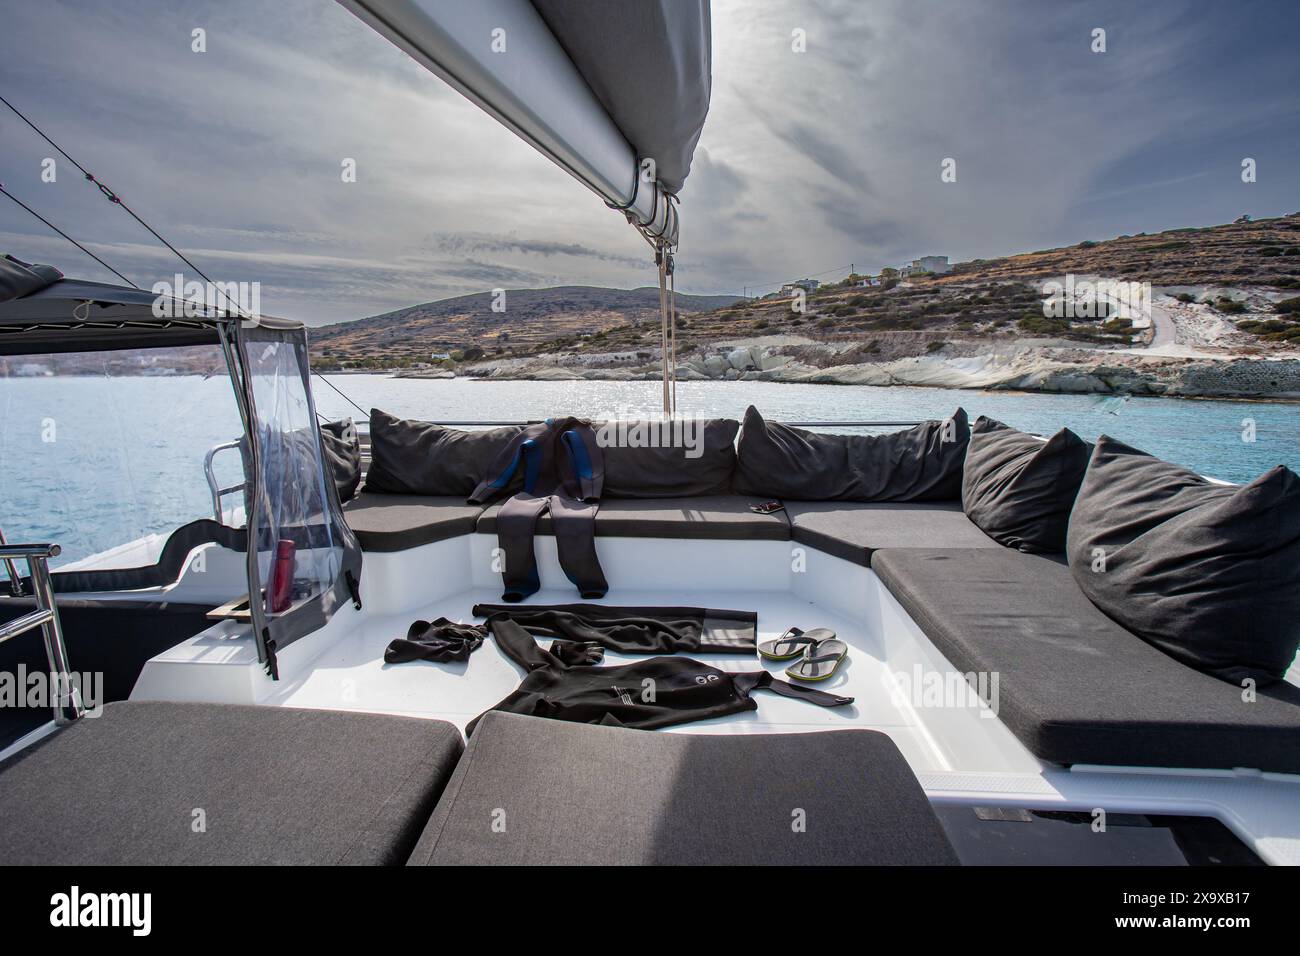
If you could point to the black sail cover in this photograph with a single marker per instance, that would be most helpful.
(598, 88)
(649, 62)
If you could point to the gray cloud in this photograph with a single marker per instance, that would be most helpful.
(808, 160)
(464, 243)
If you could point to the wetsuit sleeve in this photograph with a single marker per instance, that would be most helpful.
(520, 646)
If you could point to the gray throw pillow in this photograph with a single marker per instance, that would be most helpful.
(342, 447)
(920, 464)
(667, 459)
(420, 458)
(1209, 574)
(1019, 489)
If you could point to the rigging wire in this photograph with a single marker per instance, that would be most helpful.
(667, 326)
(337, 389)
(672, 329)
(117, 200)
(67, 237)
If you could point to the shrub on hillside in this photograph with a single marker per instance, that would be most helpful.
(1264, 326)
(1041, 325)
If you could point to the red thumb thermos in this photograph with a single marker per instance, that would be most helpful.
(281, 592)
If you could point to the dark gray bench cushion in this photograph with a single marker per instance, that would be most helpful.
(855, 532)
(396, 522)
(713, 516)
(275, 784)
(582, 794)
(1074, 686)
(107, 637)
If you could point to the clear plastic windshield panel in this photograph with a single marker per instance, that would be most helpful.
(304, 562)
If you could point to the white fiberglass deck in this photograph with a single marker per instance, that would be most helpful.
(958, 750)
(352, 673)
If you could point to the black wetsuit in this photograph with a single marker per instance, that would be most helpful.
(629, 630)
(564, 473)
(561, 684)
(636, 630)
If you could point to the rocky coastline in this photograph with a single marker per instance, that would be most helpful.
(1016, 365)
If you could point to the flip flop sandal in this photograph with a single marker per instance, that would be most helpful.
(820, 661)
(793, 643)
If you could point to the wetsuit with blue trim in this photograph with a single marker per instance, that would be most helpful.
(564, 473)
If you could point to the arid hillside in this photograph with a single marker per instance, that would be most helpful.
(1217, 293)
(1237, 274)
(531, 318)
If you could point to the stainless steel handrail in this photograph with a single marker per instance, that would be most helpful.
(11, 569)
(67, 702)
(218, 492)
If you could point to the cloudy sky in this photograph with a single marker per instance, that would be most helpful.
(809, 161)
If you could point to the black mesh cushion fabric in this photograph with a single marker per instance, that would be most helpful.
(1019, 490)
(275, 785)
(564, 793)
(689, 457)
(384, 522)
(421, 458)
(1073, 685)
(342, 447)
(724, 517)
(920, 464)
(1210, 574)
(855, 531)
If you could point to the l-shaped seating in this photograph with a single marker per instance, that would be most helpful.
(399, 522)
(1074, 686)
(726, 517)
(184, 783)
(396, 522)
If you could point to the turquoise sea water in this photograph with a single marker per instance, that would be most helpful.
(92, 462)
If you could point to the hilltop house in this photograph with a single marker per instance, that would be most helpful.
(808, 285)
(935, 264)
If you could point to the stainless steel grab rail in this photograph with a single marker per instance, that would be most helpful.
(218, 492)
(11, 569)
(67, 702)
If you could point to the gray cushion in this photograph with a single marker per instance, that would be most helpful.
(716, 516)
(1019, 490)
(854, 531)
(923, 463)
(564, 793)
(692, 457)
(342, 447)
(421, 458)
(397, 522)
(1074, 686)
(275, 785)
(1210, 574)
